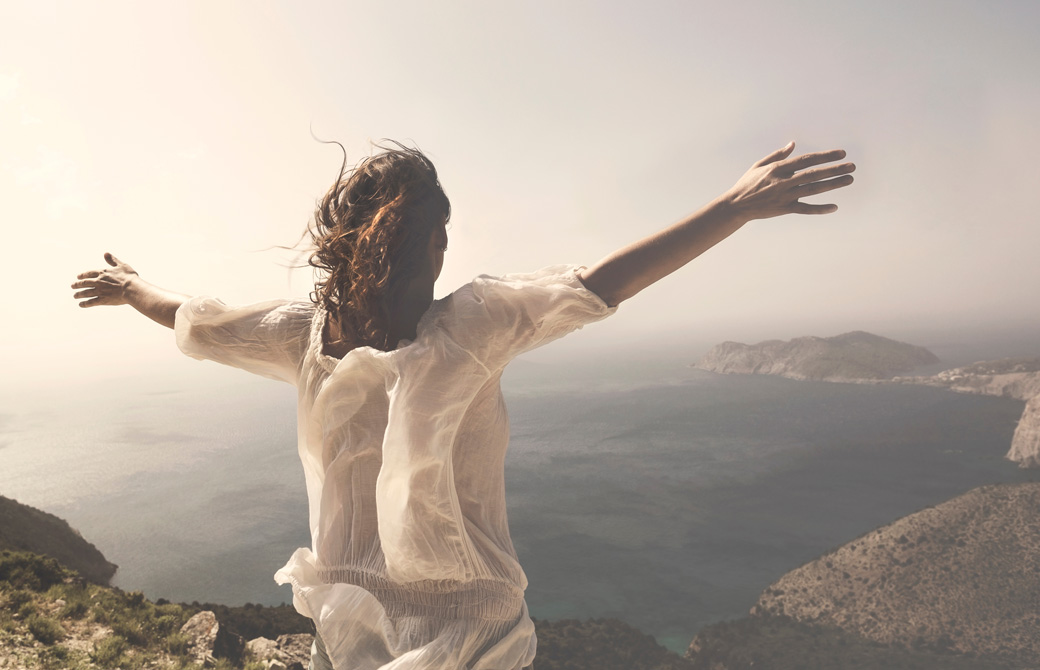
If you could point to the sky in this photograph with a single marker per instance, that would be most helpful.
(180, 136)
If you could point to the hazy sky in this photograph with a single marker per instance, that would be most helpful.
(177, 136)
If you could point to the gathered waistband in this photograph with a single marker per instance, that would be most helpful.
(486, 599)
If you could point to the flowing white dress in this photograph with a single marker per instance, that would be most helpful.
(411, 565)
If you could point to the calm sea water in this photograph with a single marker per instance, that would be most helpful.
(657, 494)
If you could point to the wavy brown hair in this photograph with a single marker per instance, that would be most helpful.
(370, 235)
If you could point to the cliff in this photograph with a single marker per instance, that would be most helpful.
(1025, 443)
(849, 357)
(24, 528)
(1017, 378)
(957, 582)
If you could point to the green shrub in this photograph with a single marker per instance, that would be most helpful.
(131, 631)
(74, 609)
(18, 597)
(27, 610)
(108, 652)
(28, 571)
(168, 623)
(177, 644)
(100, 615)
(46, 630)
(58, 658)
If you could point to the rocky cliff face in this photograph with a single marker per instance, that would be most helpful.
(850, 357)
(1025, 444)
(961, 577)
(24, 528)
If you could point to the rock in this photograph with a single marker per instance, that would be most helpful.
(296, 649)
(288, 652)
(852, 356)
(262, 648)
(1025, 444)
(207, 640)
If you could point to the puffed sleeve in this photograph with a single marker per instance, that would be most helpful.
(498, 318)
(268, 338)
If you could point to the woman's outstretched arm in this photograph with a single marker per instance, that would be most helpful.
(770, 188)
(121, 285)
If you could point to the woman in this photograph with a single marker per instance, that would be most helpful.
(402, 426)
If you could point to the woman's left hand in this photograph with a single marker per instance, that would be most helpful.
(774, 185)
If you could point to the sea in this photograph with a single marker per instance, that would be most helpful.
(647, 491)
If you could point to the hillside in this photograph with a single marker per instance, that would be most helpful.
(24, 528)
(849, 357)
(958, 582)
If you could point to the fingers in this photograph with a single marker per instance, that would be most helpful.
(88, 293)
(90, 303)
(822, 186)
(820, 173)
(806, 208)
(88, 274)
(111, 260)
(777, 155)
(808, 160)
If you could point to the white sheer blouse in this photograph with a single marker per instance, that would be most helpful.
(411, 565)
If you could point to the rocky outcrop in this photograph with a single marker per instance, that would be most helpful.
(1017, 378)
(24, 528)
(959, 578)
(852, 356)
(1025, 444)
(288, 652)
(208, 641)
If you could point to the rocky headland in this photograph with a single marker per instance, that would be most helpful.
(952, 586)
(851, 356)
(24, 528)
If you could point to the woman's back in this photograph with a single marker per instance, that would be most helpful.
(404, 453)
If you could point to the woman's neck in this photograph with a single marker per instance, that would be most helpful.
(403, 322)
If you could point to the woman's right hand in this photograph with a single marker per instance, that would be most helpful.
(107, 286)
(774, 185)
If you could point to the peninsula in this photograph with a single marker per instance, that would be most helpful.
(854, 356)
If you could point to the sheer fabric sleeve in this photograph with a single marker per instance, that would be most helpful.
(498, 318)
(268, 338)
